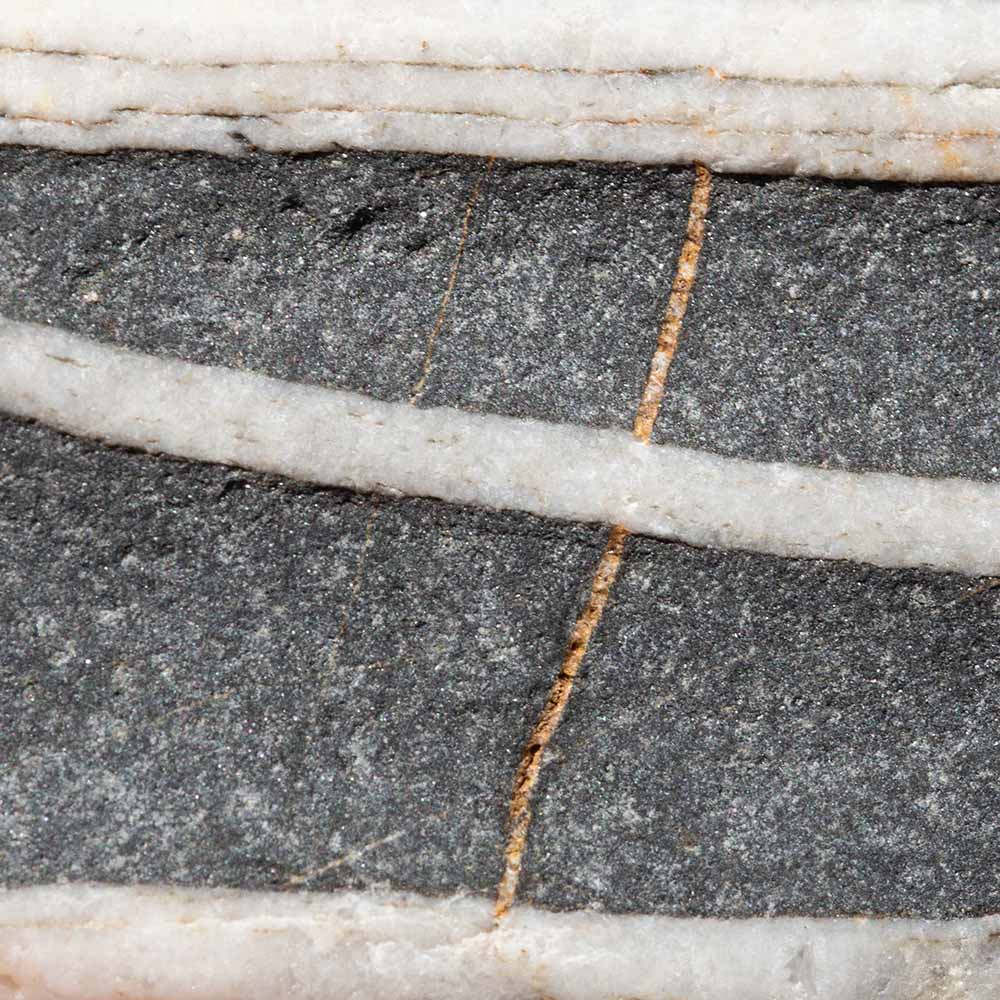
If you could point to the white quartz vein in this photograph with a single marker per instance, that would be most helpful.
(573, 472)
(903, 89)
(77, 942)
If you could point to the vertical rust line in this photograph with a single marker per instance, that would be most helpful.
(532, 758)
(673, 319)
(421, 384)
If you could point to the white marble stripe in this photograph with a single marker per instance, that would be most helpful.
(556, 470)
(932, 42)
(885, 89)
(78, 942)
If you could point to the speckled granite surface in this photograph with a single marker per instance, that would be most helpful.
(849, 325)
(212, 677)
(763, 735)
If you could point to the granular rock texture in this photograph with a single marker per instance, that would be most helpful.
(212, 678)
(755, 735)
(318, 269)
(216, 678)
(848, 325)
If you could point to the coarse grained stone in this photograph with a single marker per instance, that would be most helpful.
(227, 731)
(325, 269)
(564, 282)
(753, 735)
(211, 677)
(852, 326)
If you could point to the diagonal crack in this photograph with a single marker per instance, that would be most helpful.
(532, 758)
(421, 384)
(415, 394)
(673, 318)
(519, 817)
(370, 526)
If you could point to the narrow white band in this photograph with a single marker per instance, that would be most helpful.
(80, 942)
(572, 472)
(903, 89)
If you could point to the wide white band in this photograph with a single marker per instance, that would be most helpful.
(556, 470)
(904, 89)
(81, 942)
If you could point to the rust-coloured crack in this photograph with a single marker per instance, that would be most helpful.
(526, 778)
(673, 319)
(531, 760)
(988, 584)
(415, 395)
(421, 384)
